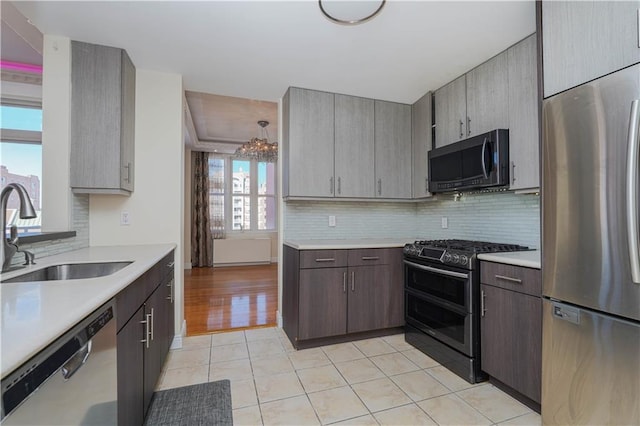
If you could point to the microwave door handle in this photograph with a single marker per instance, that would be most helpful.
(484, 165)
(632, 192)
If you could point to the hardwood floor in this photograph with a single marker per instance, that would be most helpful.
(235, 297)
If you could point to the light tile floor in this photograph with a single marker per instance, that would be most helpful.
(369, 382)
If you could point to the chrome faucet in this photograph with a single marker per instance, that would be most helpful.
(27, 211)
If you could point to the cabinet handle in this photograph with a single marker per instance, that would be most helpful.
(461, 132)
(170, 285)
(380, 186)
(370, 258)
(482, 308)
(353, 281)
(468, 126)
(426, 184)
(513, 280)
(128, 178)
(146, 330)
(328, 259)
(152, 323)
(513, 172)
(331, 185)
(170, 264)
(344, 282)
(339, 186)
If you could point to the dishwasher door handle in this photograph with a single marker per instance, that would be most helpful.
(76, 362)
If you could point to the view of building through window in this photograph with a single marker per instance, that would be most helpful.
(242, 194)
(21, 162)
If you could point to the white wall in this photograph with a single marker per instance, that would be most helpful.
(156, 207)
(56, 101)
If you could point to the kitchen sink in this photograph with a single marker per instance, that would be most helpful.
(70, 271)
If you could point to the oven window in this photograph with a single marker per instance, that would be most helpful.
(436, 318)
(444, 287)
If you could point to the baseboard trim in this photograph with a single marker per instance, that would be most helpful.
(274, 259)
(187, 265)
(279, 319)
(176, 343)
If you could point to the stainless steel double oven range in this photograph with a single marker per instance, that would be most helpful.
(442, 301)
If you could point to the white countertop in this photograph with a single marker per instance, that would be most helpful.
(528, 259)
(34, 314)
(348, 244)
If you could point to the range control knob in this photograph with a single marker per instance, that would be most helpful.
(447, 257)
(464, 259)
(456, 258)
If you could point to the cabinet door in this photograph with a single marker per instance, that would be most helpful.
(584, 40)
(511, 336)
(524, 139)
(354, 147)
(131, 371)
(128, 122)
(96, 110)
(421, 145)
(308, 151)
(451, 112)
(322, 303)
(156, 311)
(488, 96)
(392, 150)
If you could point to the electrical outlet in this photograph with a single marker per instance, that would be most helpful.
(444, 223)
(125, 218)
(332, 221)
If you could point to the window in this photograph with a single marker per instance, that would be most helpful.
(21, 158)
(242, 194)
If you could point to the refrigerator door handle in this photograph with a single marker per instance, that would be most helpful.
(632, 191)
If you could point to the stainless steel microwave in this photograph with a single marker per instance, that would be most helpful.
(478, 162)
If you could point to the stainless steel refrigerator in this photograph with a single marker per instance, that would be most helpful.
(591, 265)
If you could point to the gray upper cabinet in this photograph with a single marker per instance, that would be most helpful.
(392, 150)
(451, 112)
(524, 139)
(487, 94)
(308, 143)
(421, 145)
(584, 40)
(354, 147)
(102, 119)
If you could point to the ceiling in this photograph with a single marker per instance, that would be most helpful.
(256, 49)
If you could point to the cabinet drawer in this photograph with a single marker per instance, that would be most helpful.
(516, 278)
(323, 258)
(366, 257)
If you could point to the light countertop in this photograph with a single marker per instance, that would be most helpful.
(34, 314)
(528, 259)
(348, 244)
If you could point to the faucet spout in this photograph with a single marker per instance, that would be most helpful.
(27, 211)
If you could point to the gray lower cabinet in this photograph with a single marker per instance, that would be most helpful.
(354, 147)
(308, 143)
(584, 40)
(421, 145)
(334, 293)
(103, 83)
(451, 112)
(524, 134)
(511, 327)
(392, 150)
(145, 330)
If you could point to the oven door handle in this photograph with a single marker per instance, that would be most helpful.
(436, 270)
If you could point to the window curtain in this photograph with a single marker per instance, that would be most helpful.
(201, 238)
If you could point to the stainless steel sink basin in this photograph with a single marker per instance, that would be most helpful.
(70, 271)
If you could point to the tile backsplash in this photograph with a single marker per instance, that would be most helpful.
(500, 217)
(80, 224)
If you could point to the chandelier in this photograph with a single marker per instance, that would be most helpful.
(259, 148)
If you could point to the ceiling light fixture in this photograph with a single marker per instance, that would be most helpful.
(350, 12)
(259, 148)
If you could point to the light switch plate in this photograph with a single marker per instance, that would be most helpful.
(444, 223)
(125, 218)
(332, 221)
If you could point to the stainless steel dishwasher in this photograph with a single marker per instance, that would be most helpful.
(71, 382)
